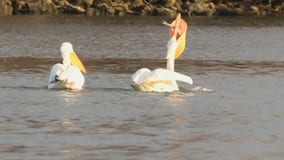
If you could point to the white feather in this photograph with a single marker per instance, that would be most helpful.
(65, 75)
(159, 80)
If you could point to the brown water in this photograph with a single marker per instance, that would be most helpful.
(240, 58)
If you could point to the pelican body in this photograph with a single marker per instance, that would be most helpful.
(68, 74)
(158, 80)
(165, 80)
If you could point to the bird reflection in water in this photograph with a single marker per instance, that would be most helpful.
(70, 97)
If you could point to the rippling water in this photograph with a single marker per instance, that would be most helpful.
(234, 110)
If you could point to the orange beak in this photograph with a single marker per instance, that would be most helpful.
(179, 31)
(75, 61)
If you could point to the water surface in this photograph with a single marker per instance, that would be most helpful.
(240, 59)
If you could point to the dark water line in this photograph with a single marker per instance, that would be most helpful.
(116, 65)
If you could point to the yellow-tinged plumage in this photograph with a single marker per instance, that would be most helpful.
(164, 80)
(68, 74)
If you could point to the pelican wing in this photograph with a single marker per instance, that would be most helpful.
(168, 75)
(61, 77)
(141, 75)
(159, 80)
(182, 78)
(53, 80)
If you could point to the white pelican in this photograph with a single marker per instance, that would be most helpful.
(67, 75)
(164, 80)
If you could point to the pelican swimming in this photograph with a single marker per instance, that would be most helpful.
(68, 74)
(164, 80)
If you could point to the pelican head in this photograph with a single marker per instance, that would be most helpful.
(66, 47)
(70, 57)
(177, 42)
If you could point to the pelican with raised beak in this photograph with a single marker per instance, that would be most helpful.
(68, 74)
(164, 80)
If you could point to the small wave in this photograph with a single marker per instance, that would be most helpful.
(24, 87)
(12, 148)
(108, 89)
(201, 89)
(181, 93)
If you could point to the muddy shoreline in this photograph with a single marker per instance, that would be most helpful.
(144, 7)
